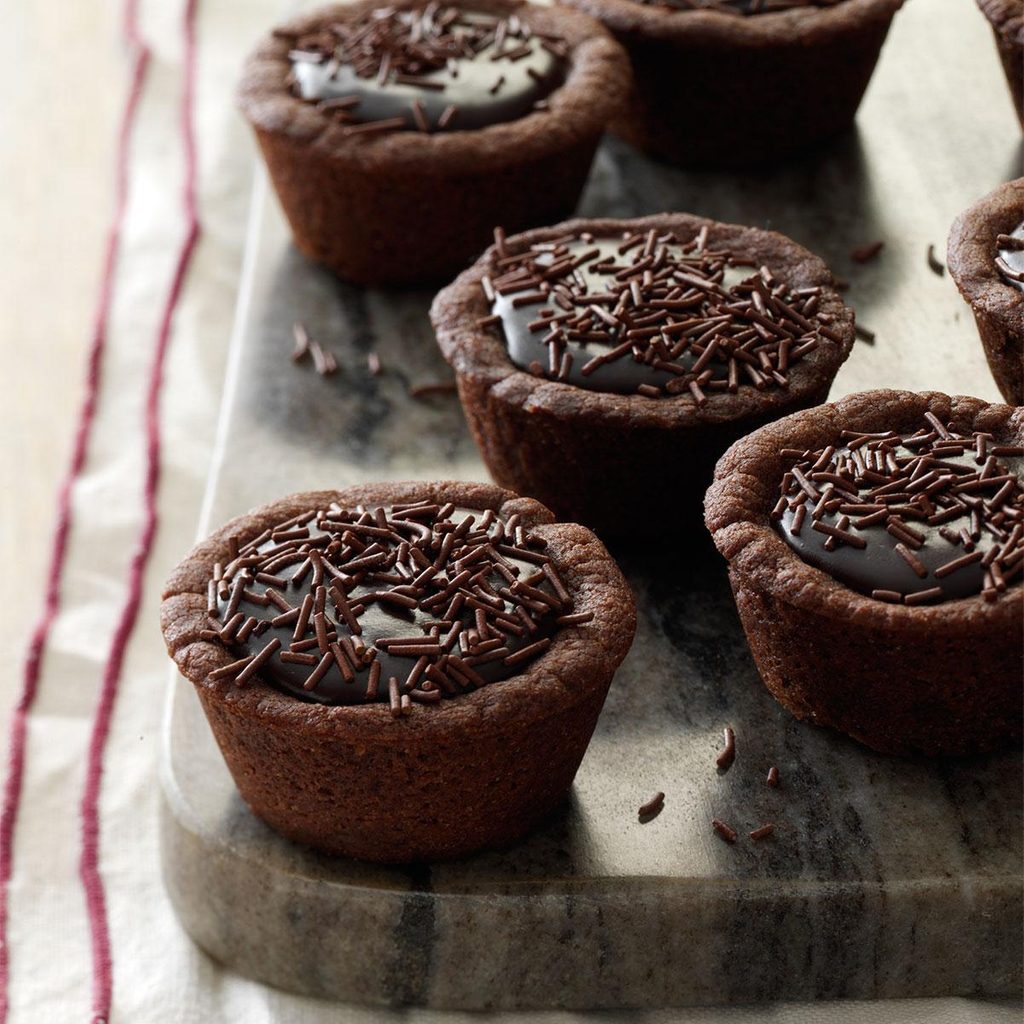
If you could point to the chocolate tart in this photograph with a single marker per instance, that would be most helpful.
(596, 447)
(1007, 20)
(726, 88)
(474, 742)
(991, 280)
(402, 180)
(903, 662)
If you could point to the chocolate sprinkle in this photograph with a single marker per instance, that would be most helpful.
(655, 315)
(301, 336)
(866, 253)
(928, 516)
(740, 7)
(442, 387)
(444, 600)
(728, 754)
(324, 360)
(1007, 257)
(763, 832)
(727, 832)
(934, 263)
(390, 68)
(1013, 243)
(650, 810)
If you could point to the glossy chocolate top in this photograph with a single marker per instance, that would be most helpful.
(1010, 256)
(653, 314)
(433, 68)
(923, 517)
(740, 7)
(410, 603)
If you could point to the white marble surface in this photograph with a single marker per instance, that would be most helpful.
(885, 877)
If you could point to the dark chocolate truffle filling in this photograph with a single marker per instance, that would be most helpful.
(647, 313)
(1010, 256)
(429, 69)
(917, 518)
(742, 7)
(409, 603)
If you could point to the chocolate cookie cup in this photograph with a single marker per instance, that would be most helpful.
(399, 177)
(599, 444)
(461, 732)
(747, 62)
(929, 661)
(1007, 20)
(986, 259)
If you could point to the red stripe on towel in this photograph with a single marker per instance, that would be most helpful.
(32, 666)
(92, 881)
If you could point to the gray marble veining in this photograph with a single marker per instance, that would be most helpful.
(884, 877)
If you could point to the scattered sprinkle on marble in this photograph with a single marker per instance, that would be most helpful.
(728, 752)
(773, 777)
(324, 360)
(763, 832)
(301, 338)
(867, 252)
(726, 832)
(442, 387)
(650, 810)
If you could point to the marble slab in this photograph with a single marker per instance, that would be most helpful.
(884, 877)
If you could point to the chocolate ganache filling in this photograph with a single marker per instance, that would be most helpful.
(429, 69)
(909, 518)
(1010, 256)
(742, 7)
(650, 314)
(409, 603)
